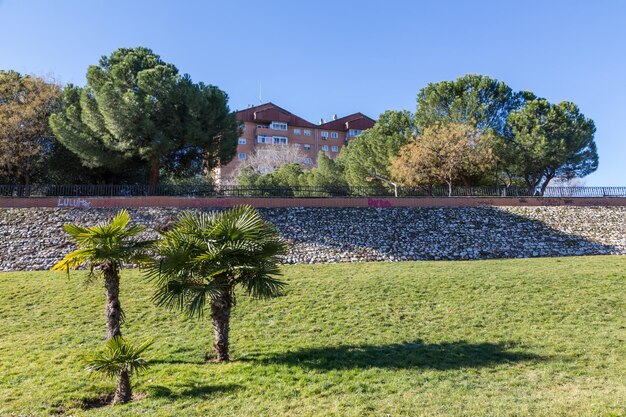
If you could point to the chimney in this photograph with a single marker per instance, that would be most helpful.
(321, 121)
(335, 116)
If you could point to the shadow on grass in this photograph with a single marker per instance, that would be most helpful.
(446, 355)
(178, 361)
(88, 403)
(200, 391)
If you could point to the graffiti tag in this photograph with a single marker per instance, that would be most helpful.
(376, 202)
(73, 202)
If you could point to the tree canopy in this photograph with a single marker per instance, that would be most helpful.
(549, 141)
(328, 173)
(444, 154)
(137, 109)
(205, 256)
(471, 99)
(26, 140)
(373, 149)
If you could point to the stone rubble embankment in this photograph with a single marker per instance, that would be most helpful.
(33, 239)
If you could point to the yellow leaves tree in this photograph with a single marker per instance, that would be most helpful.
(444, 154)
(26, 102)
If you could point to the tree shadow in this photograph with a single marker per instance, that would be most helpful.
(196, 391)
(179, 361)
(441, 356)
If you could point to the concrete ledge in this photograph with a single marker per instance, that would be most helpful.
(382, 202)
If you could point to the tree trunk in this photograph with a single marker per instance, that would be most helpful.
(545, 183)
(123, 392)
(530, 185)
(113, 310)
(220, 314)
(154, 177)
(26, 185)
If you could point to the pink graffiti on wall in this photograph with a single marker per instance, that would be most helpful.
(376, 202)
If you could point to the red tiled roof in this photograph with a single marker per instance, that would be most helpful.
(269, 112)
(352, 121)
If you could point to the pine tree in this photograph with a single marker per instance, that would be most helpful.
(138, 110)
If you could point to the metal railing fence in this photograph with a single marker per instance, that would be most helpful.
(204, 190)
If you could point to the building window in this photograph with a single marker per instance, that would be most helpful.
(279, 140)
(278, 126)
(307, 132)
(325, 148)
(262, 126)
(243, 155)
(242, 141)
(334, 135)
(354, 132)
(307, 161)
(263, 139)
(335, 148)
(297, 145)
(296, 131)
(307, 147)
(324, 134)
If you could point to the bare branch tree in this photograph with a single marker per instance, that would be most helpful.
(268, 158)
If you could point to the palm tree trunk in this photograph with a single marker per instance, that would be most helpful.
(113, 309)
(123, 392)
(220, 314)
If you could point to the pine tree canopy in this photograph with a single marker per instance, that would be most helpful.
(138, 110)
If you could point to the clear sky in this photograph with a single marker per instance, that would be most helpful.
(318, 58)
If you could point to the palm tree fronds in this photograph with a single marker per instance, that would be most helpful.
(187, 295)
(117, 356)
(205, 254)
(106, 242)
(260, 283)
(74, 259)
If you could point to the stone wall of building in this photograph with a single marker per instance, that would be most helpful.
(32, 239)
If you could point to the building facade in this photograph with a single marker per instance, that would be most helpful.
(268, 126)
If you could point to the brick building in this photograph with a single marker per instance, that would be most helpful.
(267, 126)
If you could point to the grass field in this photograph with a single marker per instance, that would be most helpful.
(527, 337)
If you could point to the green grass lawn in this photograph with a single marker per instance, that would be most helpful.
(527, 337)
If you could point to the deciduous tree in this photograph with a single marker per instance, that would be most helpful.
(26, 140)
(269, 158)
(444, 153)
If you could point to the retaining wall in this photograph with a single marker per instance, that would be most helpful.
(32, 238)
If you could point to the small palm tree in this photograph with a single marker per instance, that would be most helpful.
(120, 359)
(104, 249)
(204, 256)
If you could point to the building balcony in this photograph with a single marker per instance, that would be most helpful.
(266, 130)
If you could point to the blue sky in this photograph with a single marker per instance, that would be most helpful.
(318, 58)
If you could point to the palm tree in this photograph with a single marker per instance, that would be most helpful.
(104, 249)
(204, 256)
(120, 359)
